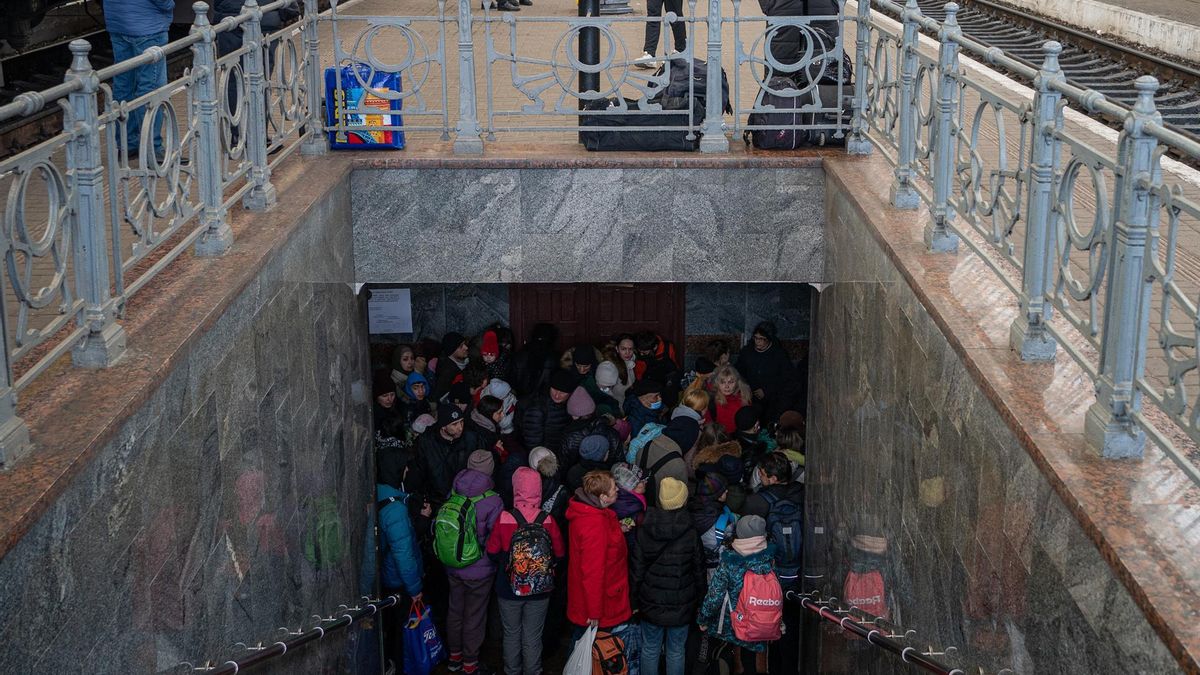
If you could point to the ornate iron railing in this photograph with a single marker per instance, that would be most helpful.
(1085, 231)
(1078, 225)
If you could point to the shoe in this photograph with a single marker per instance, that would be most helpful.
(527, 3)
(646, 61)
(509, 7)
(454, 666)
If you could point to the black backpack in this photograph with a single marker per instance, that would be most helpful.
(832, 115)
(677, 86)
(785, 526)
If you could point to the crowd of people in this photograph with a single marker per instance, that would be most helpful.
(519, 485)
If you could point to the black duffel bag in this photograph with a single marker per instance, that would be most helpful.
(606, 132)
(787, 113)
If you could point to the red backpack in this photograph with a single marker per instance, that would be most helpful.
(865, 590)
(758, 616)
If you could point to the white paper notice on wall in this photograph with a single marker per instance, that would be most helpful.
(389, 311)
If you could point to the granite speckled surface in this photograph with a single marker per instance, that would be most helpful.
(1008, 537)
(486, 223)
(214, 484)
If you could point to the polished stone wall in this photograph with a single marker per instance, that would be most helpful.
(523, 225)
(233, 502)
(982, 554)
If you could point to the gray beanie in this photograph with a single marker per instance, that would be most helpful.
(750, 526)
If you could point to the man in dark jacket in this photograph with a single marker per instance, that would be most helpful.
(643, 404)
(667, 568)
(453, 362)
(545, 417)
(584, 422)
(769, 371)
(441, 453)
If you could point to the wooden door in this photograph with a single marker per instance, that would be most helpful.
(594, 313)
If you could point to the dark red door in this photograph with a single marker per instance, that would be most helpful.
(594, 313)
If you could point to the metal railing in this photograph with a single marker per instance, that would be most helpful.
(1075, 224)
(88, 223)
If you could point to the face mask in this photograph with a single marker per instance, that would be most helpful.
(656, 405)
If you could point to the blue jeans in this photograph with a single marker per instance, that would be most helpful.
(652, 647)
(139, 82)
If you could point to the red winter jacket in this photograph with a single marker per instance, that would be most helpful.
(598, 568)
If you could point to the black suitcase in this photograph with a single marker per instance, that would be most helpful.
(605, 132)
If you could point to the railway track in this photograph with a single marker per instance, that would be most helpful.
(1087, 60)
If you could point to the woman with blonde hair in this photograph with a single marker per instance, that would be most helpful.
(731, 393)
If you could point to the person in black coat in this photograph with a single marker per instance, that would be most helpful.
(533, 364)
(667, 570)
(769, 371)
(545, 417)
(442, 452)
(790, 42)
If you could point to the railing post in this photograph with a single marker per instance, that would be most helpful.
(857, 143)
(217, 236)
(468, 139)
(14, 434)
(1110, 424)
(1028, 334)
(316, 141)
(904, 195)
(713, 138)
(938, 235)
(262, 196)
(105, 340)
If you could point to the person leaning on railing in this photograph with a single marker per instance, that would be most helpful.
(134, 26)
(231, 40)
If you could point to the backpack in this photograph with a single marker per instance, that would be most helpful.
(651, 431)
(530, 557)
(608, 655)
(455, 541)
(864, 589)
(758, 616)
(785, 525)
(649, 472)
(816, 88)
(678, 88)
(714, 537)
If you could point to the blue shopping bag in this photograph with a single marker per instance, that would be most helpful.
(422, 647)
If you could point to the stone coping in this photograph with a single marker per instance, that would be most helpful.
(1137, 512)
(72, 413)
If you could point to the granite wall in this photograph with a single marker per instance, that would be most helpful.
(523, 225)
(982, 554)
(235, 501)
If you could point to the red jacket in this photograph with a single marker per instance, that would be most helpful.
(598, 568)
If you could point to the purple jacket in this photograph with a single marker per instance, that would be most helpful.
(471, 483)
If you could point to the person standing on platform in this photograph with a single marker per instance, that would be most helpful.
(135, 26)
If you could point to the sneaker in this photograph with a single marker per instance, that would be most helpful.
(646, 61)
(527, 3)
(454, 666)
(509, 7)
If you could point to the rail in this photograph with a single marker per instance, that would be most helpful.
(290, 640)
(1085, 231)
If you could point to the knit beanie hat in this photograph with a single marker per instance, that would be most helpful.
(562, 381)
(730, 468)
(498, 388)
(745, 418)
(672, 494)
(489, 344)
(481, 461)
(594, 448)
(791, 420)
(540, 454)
(627, 476)
(423, 422)
(643, 387)
(750, 526)
(607, 374)
(711, 485)
(451, 342)
(580, 404)
(583, 355)
(381, 383)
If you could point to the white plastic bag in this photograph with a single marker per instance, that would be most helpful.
(580, 662)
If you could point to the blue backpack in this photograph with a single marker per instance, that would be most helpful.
(785, 526)
(648, 433)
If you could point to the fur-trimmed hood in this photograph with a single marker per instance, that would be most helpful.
(713, 453)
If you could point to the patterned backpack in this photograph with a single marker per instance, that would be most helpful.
(531, 557)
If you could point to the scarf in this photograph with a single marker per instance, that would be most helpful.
(750, 545)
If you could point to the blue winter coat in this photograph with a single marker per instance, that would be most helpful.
(401, 555)
(638, 414)
(138, 17)
(728, 579)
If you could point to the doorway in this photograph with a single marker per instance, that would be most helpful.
(594, 313)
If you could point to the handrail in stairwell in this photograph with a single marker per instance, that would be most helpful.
(261, 653)
(869, 629)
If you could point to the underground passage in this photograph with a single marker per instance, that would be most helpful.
(823, 337)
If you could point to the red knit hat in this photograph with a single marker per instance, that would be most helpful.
(490, 345)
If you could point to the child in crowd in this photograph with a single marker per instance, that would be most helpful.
(631, 498)
(668, 572)
(527, 546)
(749, 552)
